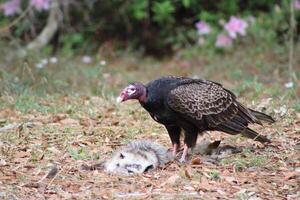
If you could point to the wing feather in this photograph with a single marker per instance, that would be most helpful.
(205, 98)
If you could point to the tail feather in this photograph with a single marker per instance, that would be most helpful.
(255, 136)
(262, 116)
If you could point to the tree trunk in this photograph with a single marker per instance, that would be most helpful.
(49, 30)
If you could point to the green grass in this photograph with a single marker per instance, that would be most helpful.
(214, 175)
(245, 160)
(249, 72)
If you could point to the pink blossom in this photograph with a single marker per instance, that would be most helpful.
(11, 7)
(236, 25)
(296, 4)
(203, 28)
(40, 4)
(223, 41)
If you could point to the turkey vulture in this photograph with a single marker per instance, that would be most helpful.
(194, 106)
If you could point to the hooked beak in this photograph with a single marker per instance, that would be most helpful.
(120, 99)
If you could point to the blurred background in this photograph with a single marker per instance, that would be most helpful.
(95, 47)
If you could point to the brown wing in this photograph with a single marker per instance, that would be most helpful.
(204, 98)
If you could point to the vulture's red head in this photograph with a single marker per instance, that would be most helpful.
(133, 91)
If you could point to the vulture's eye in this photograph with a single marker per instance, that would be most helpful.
(131, 90)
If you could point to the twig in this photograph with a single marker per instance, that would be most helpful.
(114, 144)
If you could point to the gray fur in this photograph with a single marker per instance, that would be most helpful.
(137, 157)
(140, 156)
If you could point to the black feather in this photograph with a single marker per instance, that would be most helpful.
(262, 116)
(254, 135)
(196, 105)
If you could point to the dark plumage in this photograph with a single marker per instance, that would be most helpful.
(194, 105)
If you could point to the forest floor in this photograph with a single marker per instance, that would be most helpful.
(64, 115)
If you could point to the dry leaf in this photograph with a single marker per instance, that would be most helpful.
(107, 140)
(171, 180)
(87, 122)
(187, 174)
(196, 161)
(2, 162)
(69, 121)
(291, 175)
(58, 118)
(229, 179)
(204, 184)
(22, 154)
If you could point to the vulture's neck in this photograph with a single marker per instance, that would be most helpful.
(143, 97)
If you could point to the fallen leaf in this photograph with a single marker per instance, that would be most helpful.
(87, 122)
(22, 154)
(7, 112)
(187, 174)
(230, 179)
(291, 175)
(196, 161)
(2, 162)
(107, 140)
(69, 121)
(204, 184)
(58, 118)
(171, 180)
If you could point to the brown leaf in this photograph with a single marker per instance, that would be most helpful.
(230, 179)
(69, 121)
(196, 161)
(204, 184)
(171, 180)
(7, 112)
(291, 175)
(33, 185)
(22, 154)
(7, 177)
(58, 118)
(187, 174)
(87, 122)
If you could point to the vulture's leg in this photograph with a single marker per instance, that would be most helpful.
(183, 158)
(174, 133)
(189, 142)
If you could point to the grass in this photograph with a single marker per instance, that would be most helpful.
(76, 120)
(214, 175)
(246, 160)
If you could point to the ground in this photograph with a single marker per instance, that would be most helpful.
(60, 117)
